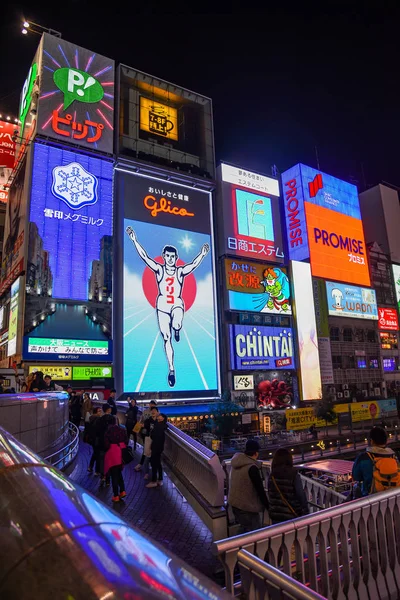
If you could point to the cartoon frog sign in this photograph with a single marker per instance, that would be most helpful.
(276, 284)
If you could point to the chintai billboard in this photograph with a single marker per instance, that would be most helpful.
(169, 331)
(261, 347)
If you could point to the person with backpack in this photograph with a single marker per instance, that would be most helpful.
(377, 469)
(287, 498)
(115, 440)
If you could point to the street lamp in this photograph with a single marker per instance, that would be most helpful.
(30, 26)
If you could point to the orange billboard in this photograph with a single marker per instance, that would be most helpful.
(337, 245)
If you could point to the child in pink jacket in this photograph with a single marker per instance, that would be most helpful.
(114, 440)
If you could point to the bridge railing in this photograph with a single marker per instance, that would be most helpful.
(64, 456)
(261, 580)
(198, 473)
(349, 551)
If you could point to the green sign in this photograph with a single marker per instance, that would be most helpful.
(26, 96)
(77, 85)
(84, 373)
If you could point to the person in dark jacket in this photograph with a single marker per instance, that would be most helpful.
(287, 498)
(49, 385)
(38, 383)
(150, 418)
(102, 425)
(114, 441)
(112, 403)
(247, 496)
(363, 467)
(76, 410)
(131, 419)
(157, 447)
(90, 436)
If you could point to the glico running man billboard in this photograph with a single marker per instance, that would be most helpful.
(69, 266)
(257, 287)
(250, 215)
(323, 223)
(169, 324)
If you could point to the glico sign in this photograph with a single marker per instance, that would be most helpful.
(323, 223)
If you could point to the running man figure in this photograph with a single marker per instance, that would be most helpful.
(169, 305)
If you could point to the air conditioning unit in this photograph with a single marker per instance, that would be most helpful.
(345, 386)
(332, 390)
(365, 393)
(346, 394)
(377, 391)
(340, 394)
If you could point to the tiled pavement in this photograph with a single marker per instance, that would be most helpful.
(162, 513)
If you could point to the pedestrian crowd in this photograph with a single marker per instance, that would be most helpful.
(110, 442)
(377, 469)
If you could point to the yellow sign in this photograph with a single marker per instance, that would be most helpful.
(321, 445)
(56, 372)
(365, 411)
(158, 118)
(303, 418)
(267, 424)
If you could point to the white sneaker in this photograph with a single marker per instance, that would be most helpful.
(138, 467)
(152, 484)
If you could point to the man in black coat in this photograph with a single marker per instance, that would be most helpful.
(157, 447)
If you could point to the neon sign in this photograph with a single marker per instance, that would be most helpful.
(26, 96)
(164, 207)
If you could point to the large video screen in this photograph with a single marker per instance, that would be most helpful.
(169, 313)
(69, 269)
(323, 223)
(250, 215)
(257, 287)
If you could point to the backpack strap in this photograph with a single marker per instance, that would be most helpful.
(290, 507)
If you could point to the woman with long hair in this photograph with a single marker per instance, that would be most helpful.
(287, 499)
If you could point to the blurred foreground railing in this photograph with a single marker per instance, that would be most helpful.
(262, 581)
(59, 541)
(63, 457)
(349, 551)
(198, 473)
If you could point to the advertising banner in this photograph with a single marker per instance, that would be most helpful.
(169, 326)
(303, 418)
(8, 136)
(388, 319)
(58, 373)
(257, 287)
(365, 411)
(325, 360)
(351, 301)
(321, 308)
(324, 224)
(251, 216)
(69, 270)
(76, 103)
(309, 365)
(243, 382)
(13, 321)
(87, 373)
(396, 276)
(261, 347)
(14, 228)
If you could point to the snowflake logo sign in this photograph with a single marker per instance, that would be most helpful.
(74, 185)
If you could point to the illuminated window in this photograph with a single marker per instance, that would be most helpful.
(389, 364)
(362, 363)
(388, 341)
(373, 363)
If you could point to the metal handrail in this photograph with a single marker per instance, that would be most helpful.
(67, 453)
(355, 544)
(258, 576)
(199, 465)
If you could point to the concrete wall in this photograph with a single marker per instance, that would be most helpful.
(380, 210)
(38, 420)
